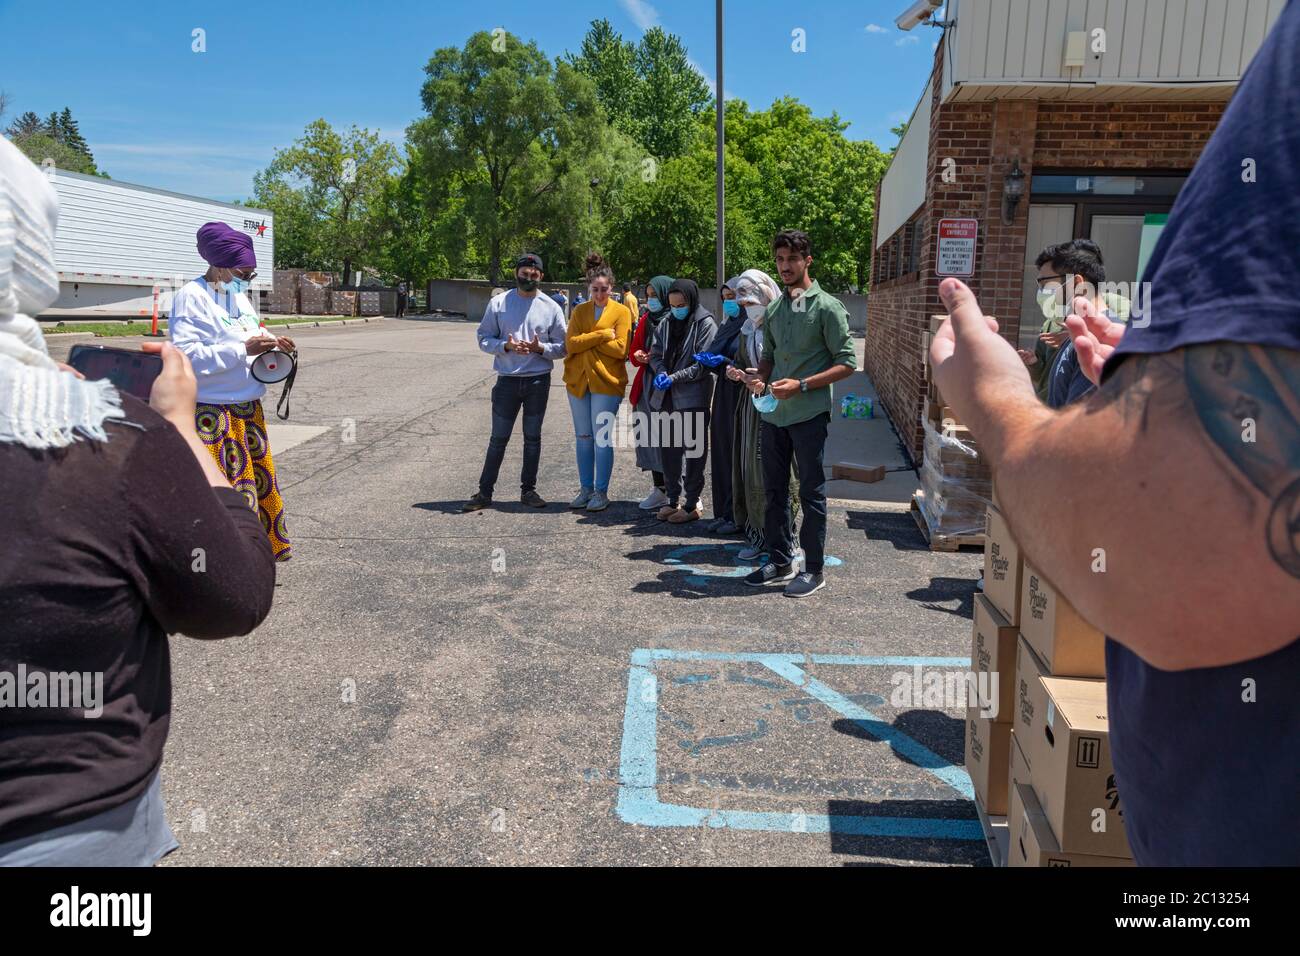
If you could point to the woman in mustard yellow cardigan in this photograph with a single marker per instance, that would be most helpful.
(595, 374)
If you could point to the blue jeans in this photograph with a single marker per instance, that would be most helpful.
(510, 395)
(595, 416)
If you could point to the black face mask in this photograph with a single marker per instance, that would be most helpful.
(526, 285)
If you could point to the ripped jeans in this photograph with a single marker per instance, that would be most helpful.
(595, 458)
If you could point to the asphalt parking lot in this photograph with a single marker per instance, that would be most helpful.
(519, 686)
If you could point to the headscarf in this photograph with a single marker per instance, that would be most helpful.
(757, 285)
(688, 290)
(225, 247)
(724, 343)
(41, 406)
(661, 285)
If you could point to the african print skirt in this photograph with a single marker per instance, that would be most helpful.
(236, 437)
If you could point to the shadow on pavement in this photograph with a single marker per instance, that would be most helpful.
(910, 849)
(934, 729)
(510, 507)
(947, 589)
(896, 527)
(697, 569)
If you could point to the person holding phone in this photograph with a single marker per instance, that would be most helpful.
(213, 322)
(107, 502)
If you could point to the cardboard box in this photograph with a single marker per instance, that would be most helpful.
(1070, 768)
(993, 659)
(852, 472)
(1003, 567)
(988, 754)
(1032, 842)
(1066, 643)
(1031, 701)
(1019, 768)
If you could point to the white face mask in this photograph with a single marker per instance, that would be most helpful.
(755, 312)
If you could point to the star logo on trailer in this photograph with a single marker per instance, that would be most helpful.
(252, 225)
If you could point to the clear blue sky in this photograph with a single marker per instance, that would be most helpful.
(156, 113)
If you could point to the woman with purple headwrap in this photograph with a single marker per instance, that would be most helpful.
(213, 322)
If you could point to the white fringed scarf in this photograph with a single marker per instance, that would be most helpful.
(41, 406)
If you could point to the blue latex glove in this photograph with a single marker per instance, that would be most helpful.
(662, 382)
(710, 359)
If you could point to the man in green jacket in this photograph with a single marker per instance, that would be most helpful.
(806, 347)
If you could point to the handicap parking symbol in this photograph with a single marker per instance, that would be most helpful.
(638, 798)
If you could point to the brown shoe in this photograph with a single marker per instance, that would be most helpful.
(681, 516)
(666, 512)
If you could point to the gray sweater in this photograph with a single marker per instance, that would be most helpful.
(692, 384)
(513, 314)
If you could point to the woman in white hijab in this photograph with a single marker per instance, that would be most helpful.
(107, 503)
(755, 291)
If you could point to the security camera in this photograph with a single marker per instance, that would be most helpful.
(917, 14)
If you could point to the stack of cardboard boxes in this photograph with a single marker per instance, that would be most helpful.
(283, 297)
(1039, 751)
(955, 481)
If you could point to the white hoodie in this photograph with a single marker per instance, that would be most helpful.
(211, 326)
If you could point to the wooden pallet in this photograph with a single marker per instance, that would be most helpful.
(943, 542)
(996, 834)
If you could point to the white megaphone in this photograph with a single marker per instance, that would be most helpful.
(273, 366)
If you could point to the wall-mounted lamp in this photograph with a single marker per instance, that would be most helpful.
(1013, 188)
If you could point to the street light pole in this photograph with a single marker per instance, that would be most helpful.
(722, 186)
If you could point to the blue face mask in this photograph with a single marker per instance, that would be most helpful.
(730, 307)
(653, 304)
(236, 286)
(765, 403)
(681, 311)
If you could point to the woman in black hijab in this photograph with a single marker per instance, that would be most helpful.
(655, 310)
(682, 387)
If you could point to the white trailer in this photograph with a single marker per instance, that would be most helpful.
(118, 242)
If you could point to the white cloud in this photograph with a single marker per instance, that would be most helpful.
(905, 40)
(643, 14)
(875, 28)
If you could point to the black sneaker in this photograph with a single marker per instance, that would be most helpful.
(804, 585)
(533, 499)
(478, 502)
(770, 574)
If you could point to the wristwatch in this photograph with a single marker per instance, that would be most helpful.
(803, 384)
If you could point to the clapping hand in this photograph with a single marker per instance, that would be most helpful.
(1095, 337)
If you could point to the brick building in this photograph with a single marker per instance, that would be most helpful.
(1103, 127)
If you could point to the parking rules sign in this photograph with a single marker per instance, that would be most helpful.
(957, 247)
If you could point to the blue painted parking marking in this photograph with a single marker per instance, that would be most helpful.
(679, 559)
(638, 799)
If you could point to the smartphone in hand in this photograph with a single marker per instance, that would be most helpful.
(129, 371)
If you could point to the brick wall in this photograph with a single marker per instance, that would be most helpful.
(982, 139)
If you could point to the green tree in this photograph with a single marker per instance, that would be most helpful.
(56, 138)
(649, 89)
(785, 169)
(514, 139)
(26, 125)
(331, 185)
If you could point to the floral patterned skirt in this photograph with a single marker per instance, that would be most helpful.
(236, 437)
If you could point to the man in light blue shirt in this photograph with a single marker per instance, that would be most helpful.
(525, 332)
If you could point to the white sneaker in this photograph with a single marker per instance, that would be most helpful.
(584, 496)
(599, 502)
(654, 501)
